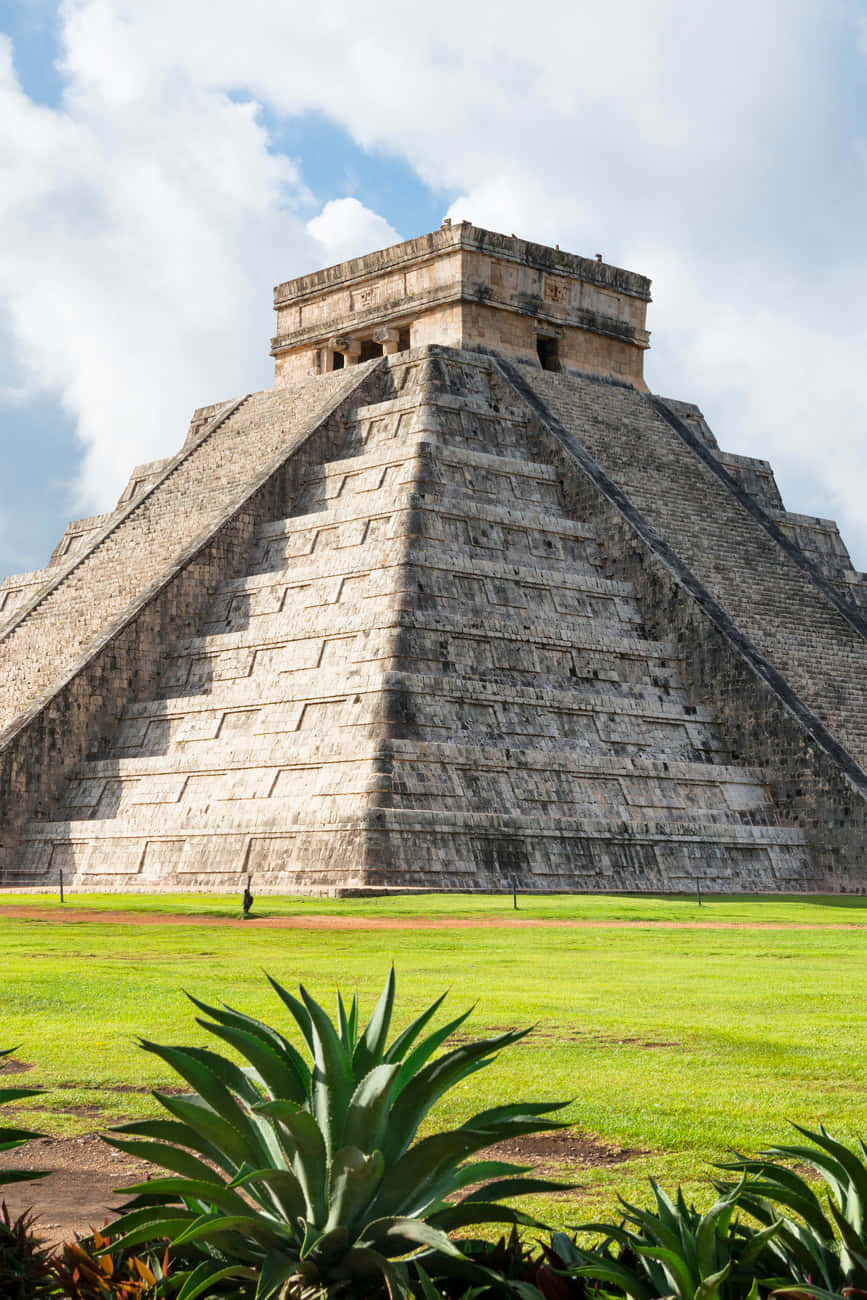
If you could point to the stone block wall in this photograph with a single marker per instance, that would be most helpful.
(814, 778)
(464, 287)
(141, 543)
(777, 605)
(145, 594)
(419, 677)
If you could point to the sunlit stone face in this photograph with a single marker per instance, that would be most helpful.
(463, 287)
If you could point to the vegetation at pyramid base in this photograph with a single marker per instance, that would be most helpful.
(789, 1221)
(820, 1242)
(26, 1265)
(11, 1137)
(95, 1269)
(671, 1250)
(306, 1164)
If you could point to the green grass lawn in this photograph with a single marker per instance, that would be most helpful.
(824, 909)
(675, 1044)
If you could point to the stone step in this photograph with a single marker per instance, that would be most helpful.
(435, 707)
(597, 624)
(420, 462)
(419, 553)
(473, 406)
(734, 833)
(450, 522)
(282, 676)
(433, 502)
(387, 575)
(391, 645)
(562, 632)
(473, 848)
(420, 447)
(457, 421)
(535, 854)
(276, 813)
(304, 751)
(331, 682)
(417, 774)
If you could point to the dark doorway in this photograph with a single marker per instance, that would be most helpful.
(338, 361)
(369, 350)
(549, 352)
(403, 341)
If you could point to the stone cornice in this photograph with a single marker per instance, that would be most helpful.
(464, 236)
(407, 309)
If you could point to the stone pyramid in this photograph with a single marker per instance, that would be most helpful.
(457, 604)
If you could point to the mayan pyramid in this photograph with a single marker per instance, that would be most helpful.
(456, 604)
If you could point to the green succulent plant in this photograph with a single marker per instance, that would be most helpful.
(675, 1251)
(10, 1138)
(305, 1165)
(822, 1242)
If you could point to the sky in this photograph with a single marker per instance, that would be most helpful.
(163, 165)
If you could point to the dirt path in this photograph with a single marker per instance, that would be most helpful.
(79, 1194)
(311, 922)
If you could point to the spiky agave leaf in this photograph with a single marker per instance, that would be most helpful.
(371, 1046)
(280, 1067)
(310, 1168)
(10, 1138)
(825, 1247)
(674, 1250)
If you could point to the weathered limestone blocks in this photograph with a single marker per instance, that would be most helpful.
(136, 606)
(814, 778)
(421, 617)
(773, 601)
(464, 288)
(16, 591)
(422, 645)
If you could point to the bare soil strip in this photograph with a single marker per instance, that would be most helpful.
(80, 1193)
(311, 922)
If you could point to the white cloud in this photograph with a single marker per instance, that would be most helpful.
(345, 227)
(144, 223)
(776, 380)
(716, 148)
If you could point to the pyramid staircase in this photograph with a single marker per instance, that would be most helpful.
(816, 643)
(424, 678)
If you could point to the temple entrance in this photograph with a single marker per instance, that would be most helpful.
(548, 350)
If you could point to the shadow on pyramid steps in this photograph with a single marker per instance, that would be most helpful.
(437, 658)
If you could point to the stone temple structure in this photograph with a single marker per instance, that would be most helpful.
(456, 604)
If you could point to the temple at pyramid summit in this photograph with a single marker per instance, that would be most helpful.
(458, 604)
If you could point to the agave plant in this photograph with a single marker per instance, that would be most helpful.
(530, 1271)
(824, 1247)
(674, 1251)
(16, 1137)
(293, 1173)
